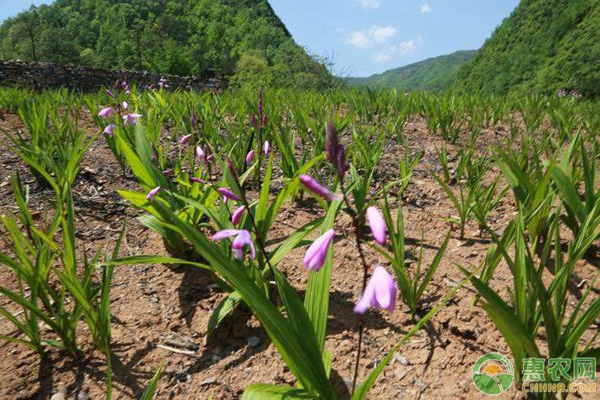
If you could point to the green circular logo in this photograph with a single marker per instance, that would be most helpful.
(493, 374)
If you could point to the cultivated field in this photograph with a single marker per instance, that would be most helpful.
(196, 245)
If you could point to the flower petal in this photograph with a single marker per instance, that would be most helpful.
(236, 217)
(312, 185)
(377, 224)
(225, 233)
(316, 253)
(366, 300)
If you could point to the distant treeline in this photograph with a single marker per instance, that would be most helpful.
(242, 40)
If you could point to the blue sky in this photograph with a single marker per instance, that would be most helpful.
(370, 36)
(8, 8)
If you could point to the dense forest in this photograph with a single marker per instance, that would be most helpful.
(434, 74)
(544, 46)
(239, 39)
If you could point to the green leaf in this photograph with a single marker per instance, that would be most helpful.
(223, 309)
(432, 268)
(316, 299)
(304, 362)
(568, 192)
(263, 391)
(153, 384)
(505, 319)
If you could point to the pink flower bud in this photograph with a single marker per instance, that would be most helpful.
(381, 293)
(314, 186)
(197, 180)
(200, 154)
(185, 139)
(249, 156)
(317, 252)
(377, 224)
(152, 194)
(228, 194)
(105, 112)
(236, 217)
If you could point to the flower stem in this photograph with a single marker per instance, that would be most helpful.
(357, 237)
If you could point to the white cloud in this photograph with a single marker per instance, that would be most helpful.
(369, 3)
(425, 8)
(382, 34)
(406, 47)
(369, 37)
(359, 40)
(383, 56)
(402, 49)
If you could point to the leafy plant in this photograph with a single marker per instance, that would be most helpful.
(412, 287)
(534, 304)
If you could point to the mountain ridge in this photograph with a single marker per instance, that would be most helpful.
(543, 46)
(432, 74)
(180, 37)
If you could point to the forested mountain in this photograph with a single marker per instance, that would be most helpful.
(544, 46)
(433, 74)
(184, 37)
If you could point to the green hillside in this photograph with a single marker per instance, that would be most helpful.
(544, 46)
(434, 74)
(184, 37)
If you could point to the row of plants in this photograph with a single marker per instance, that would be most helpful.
(215, 170)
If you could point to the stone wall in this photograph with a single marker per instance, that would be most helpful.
(38, 75)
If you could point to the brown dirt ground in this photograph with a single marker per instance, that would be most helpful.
(157, 305)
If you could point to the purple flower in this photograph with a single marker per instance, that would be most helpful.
(314, 186)
(131, 119)
(242, 238)
(236, 217)
(126, 87)
(381, 293)
(254, 122)
(266, 148)
(108, 92)
(377, 224)
(317, 252)
(249, 156)
(125, 105)
(200, 154)
(152, 194)
(228, 194)
(264, 121)
(335, 151)
(109, 130)
(197, 180)
(193, 120)
(185, 139)
(162, 82)
(167, 172)
(105, 112)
